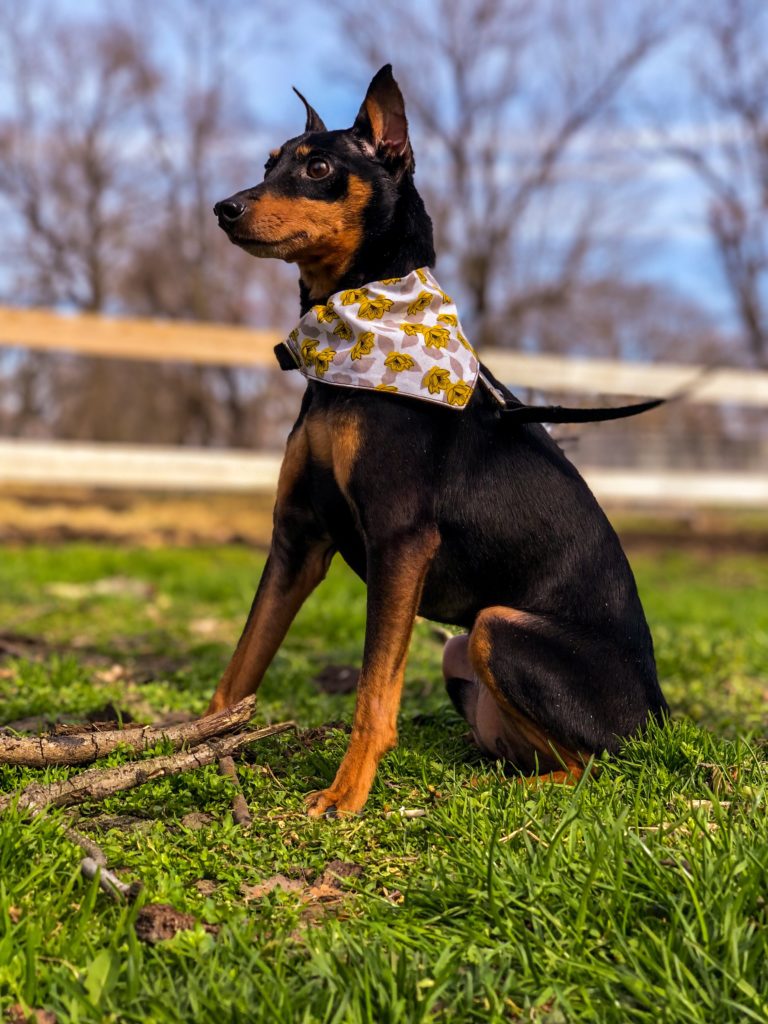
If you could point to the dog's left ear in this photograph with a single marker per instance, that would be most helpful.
(381, 122)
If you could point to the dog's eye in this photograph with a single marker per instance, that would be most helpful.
(318, 167)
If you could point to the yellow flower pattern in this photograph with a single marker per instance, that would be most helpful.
(323, 360)
(436, 337)
(399, 361)
(375, 308)
(308, 347)
(400, 335)
(420, 303)
(343, 331)
(326, 314)
(436, 380)
(353, 296)
(364, 345)
(458, 393)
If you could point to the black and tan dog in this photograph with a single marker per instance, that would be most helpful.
(471, 518)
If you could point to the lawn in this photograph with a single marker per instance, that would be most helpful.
(639, 895)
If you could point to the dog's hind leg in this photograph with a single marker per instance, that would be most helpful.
(546, 696)
(497, 729)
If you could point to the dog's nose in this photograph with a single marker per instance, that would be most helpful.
(229, 210)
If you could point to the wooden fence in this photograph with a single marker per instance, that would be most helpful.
(107, 465)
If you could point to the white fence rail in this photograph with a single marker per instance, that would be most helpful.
(168, 469)
(205, 469)
(222, 344)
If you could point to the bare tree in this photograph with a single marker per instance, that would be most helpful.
(503, 120)
(76, 90)
(122, 131)
(727, 148)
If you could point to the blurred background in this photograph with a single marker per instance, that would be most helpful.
(597, 172)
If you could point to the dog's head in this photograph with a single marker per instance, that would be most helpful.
(327, 194)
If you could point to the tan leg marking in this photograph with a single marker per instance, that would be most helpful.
(528, 745)
(393, 598)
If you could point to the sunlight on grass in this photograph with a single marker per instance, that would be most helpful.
(639, 895)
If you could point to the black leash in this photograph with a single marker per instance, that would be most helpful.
(513, 409)
(565, 414)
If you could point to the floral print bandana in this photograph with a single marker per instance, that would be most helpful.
(400, 335)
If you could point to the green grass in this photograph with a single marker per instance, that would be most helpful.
(624, 899)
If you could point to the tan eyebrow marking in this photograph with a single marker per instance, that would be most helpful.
(303, 150)
(275, 153)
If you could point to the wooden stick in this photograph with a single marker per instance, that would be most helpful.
(84, 747)
(240, 811)
(98, 783)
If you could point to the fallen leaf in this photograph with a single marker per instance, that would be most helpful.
(339, 869)
(15, 914)
(157, 922)
(196, 820)
(206, 886)
(17, 1015)
(326, 888)
(257, 892)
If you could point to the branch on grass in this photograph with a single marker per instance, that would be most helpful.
(84, 747)
(99, 783)
(240, 811)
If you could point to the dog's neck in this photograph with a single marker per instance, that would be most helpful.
(403, 246)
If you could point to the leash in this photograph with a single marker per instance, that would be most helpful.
(513, 409)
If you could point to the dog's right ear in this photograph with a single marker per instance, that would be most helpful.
(314, 121)
(381, 123)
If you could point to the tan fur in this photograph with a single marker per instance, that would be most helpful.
(374, 728)
(501, 728)
(326, 235)
(335, 445)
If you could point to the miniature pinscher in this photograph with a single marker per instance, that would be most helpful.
(467, 517)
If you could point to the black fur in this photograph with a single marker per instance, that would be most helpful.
(518, 526)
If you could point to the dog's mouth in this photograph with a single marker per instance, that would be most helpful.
(266, 247)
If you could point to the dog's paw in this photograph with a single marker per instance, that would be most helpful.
(331, 803)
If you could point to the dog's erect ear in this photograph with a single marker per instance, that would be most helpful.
(314, 121)
(381, 122)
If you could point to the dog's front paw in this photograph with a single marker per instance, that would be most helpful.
(332, 803)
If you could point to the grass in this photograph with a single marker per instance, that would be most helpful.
(637, 896)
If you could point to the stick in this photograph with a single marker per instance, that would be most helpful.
(98, 783)
(108, 881)
(95, 864)
(82, 748)
(240, 811)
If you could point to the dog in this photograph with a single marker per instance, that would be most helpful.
(447, 508)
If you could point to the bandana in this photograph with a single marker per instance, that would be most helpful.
(400, 335)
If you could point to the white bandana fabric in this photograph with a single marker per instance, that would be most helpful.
(401, 335)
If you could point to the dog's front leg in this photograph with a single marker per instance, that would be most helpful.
(396, 573)
(298, 560)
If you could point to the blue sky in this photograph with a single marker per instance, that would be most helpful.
(305, 49)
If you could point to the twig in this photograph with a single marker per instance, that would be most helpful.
(98, 783)
(108, 881)
(82, 748)
(95, 864)
(240, 811)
